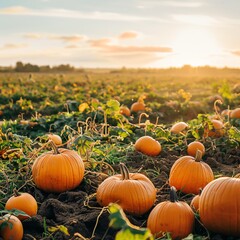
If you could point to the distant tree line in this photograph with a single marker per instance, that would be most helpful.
(185, 70)
(28, 67)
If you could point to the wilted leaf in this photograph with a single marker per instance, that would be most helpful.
(61, 228)
(82, 107)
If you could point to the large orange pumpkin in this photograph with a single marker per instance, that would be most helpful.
(219, 206)
(189, 174)
(174, 217)
(148, 145)
(58, 170)
(11, 228)
(24, 202)
(134, 192)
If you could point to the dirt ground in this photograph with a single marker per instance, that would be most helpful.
(79, 211)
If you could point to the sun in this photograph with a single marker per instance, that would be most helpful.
(194, 46)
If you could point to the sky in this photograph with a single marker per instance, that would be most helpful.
(123, 33)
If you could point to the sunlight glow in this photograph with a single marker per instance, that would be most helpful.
(194, 46)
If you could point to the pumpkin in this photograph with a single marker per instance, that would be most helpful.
(134, 192)
(194, 146)
(174, 217)
(219, 206)
(189, 174)
(11, 228)
(226, 112)
(178, 127)
(24, 202)
(216, 130)
(235, 113)
(55, 138)
(195, 201)
(125, 111)
(138, 106)
(58, 170)
(148, 145)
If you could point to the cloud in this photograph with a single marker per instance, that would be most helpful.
(32, 35)
(65, 38)
(195, 19)
(65, 13)
(182, 4)
(72, 46)
(168, 3)
(128, 35)
(237, 53)
(104, 44)
(15, 10)
(9, 46)
(69, 38)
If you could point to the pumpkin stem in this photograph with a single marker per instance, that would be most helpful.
(173, 194)
(124, 171)
(198, 156)
(16, 193)
(54, 147)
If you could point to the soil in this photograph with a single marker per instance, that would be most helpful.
(80, 213)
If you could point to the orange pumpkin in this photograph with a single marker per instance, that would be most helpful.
(174, 217)
(24, 202)
(11, 228)
(219, 206)
(148, 145)
(137, 106)
(216, 130)
(195, 201)
(125, 111)
(55, 138)
(194, 146)
(189, 174)
(235, 113)
(134, 192)
(58, 170)
(178, 127)
(226, 112)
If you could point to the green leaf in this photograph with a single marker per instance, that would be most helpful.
(118, 220)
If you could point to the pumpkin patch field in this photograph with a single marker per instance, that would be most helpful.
(120, 154)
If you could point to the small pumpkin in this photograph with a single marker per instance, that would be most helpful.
(134, 192)
(216, 130)
(235, 113)
(58, 170)
(148, 145)
(55, 138)
(226, 112)
(124, 110)
(138, 106)
(179, 127)
(188, 174)
(195, 201)
(219, 207)
(174, 217)
(194, 146)
(24, 202)
(11, 228)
